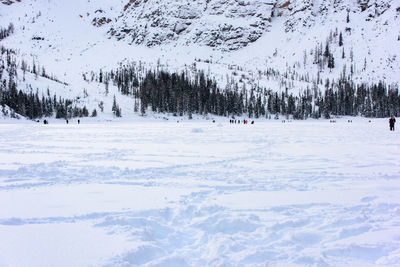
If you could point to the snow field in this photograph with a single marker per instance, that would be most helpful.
(197, 193)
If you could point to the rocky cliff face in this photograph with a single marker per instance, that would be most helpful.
(304, 13)
(225, 24)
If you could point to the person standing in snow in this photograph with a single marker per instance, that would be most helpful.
(392, 121)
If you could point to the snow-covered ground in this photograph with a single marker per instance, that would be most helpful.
(197, 193)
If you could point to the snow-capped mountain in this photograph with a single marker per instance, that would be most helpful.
(275, 44)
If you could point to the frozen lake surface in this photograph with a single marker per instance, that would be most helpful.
(304, 193)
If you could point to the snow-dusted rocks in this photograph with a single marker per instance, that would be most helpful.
(304, 13)
(223, 24)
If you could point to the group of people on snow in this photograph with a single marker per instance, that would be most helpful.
(66, 121)
(244, 121)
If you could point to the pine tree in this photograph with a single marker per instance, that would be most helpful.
(142, 108)
(331, 61)
(136, 107)
(34, 68)
(43, 72)
(115, 108)
(114, 105)
(326, 52)
(85, 112)
(24, 67)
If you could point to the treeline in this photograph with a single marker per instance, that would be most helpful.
(377, 100)
(187, 94)
(32, 106)
(5, 32)
(29, 104)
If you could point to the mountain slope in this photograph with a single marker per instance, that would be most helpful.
(279, 45)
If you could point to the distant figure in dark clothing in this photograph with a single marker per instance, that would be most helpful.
(392, 121)
(66, 121)
(79, 121)
(45, 122)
